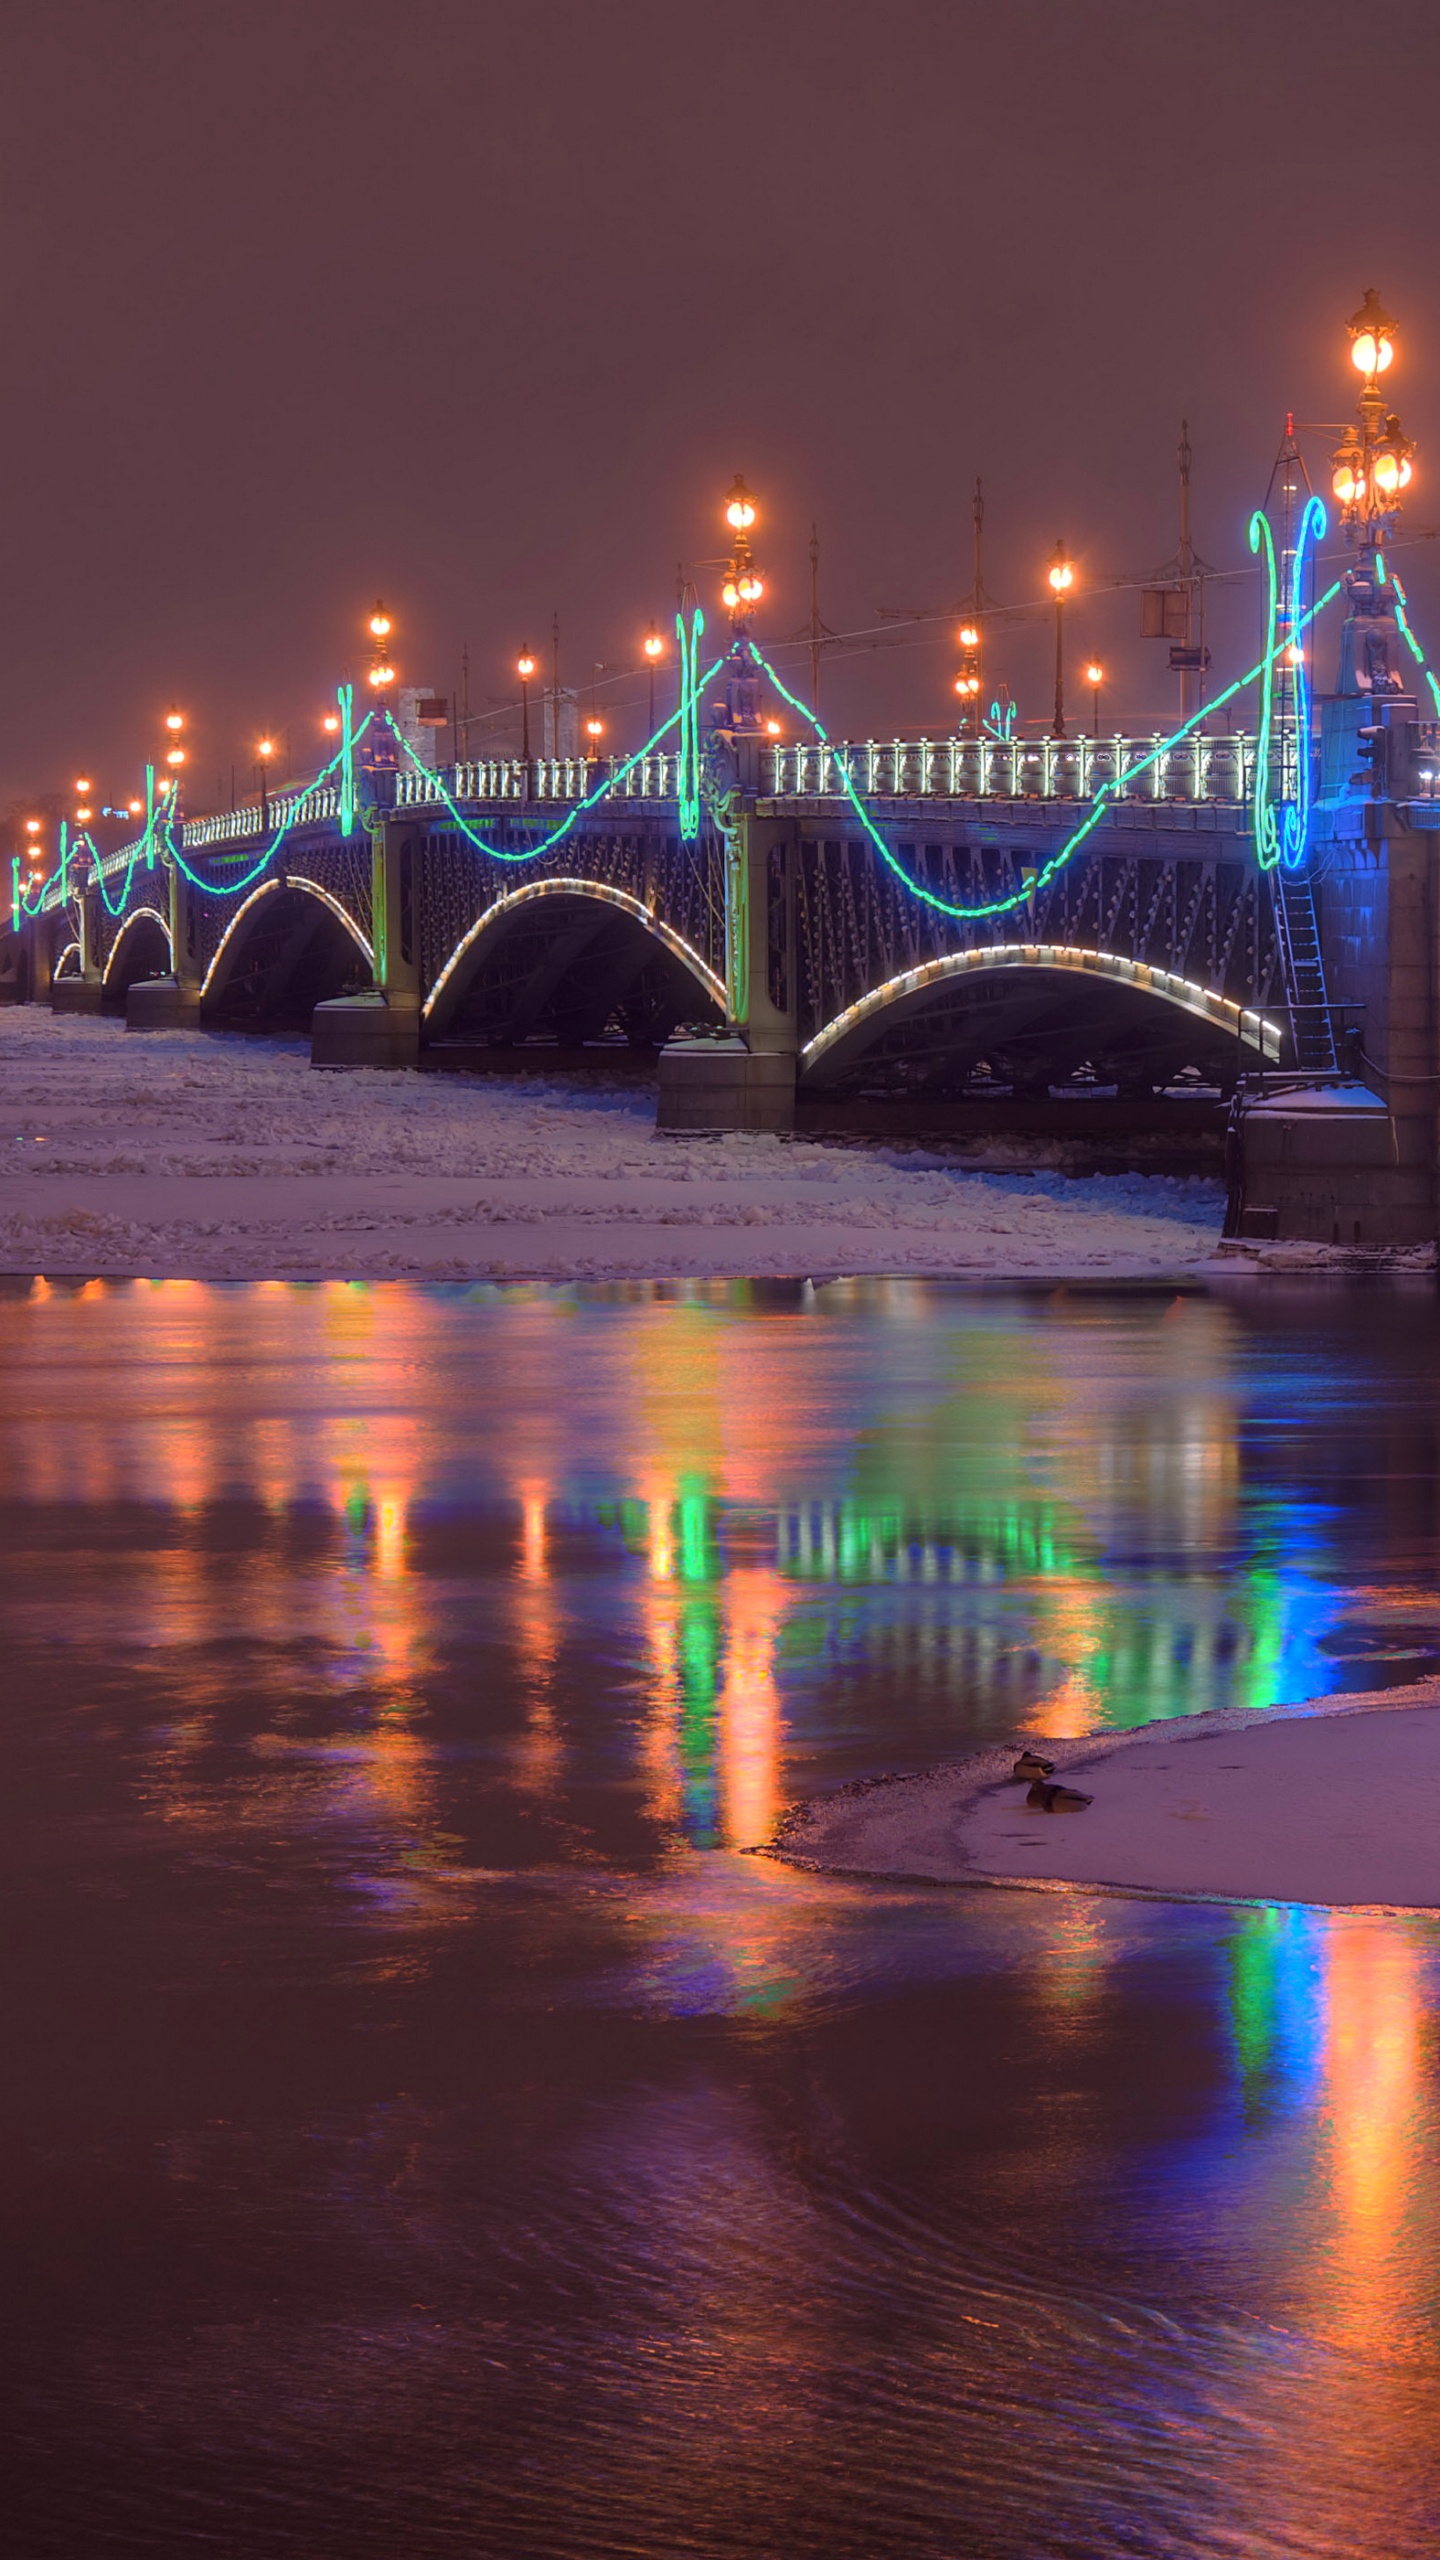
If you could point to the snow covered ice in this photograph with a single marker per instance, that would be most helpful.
(197, 1155)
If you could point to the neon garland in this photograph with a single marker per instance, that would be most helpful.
(1285, 842)
(1416, 652)
(1107, 792)
(531, 853)
(688, 781)
(345, 696)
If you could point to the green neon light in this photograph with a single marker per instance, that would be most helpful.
(688, 784)
(582, 808)
(1107, 792)
(1283, 840)
(345, 696)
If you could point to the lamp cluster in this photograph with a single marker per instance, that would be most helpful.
(1372, 465)
(968, 681)
(743, 586)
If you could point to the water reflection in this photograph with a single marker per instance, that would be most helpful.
(515, 2168)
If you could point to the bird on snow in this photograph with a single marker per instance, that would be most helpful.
(1030, 1765)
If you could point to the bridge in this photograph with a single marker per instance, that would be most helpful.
(507, 903)
(974, 915)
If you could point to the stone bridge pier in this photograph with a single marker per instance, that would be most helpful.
(1351, 1159)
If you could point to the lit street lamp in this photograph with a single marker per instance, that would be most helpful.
(654, 651)
(1062, 578)
(382, 673)
(265, 750)
(741, 589)
(524, 668)
(594, 731)
(1095, 677)
(1372, 467)
(967, 683)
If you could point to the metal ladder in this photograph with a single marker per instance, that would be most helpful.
(1312, 1033)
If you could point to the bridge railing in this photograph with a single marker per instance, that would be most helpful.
(1219, 768)
(288, 809)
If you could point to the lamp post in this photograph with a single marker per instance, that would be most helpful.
(967, 683)
(741, 589)
(654, 651)
(264, 751)
(381, 672)
(594, 731)
(1095, 677)
(1372, 467)
(1062, 578)
(524, 668)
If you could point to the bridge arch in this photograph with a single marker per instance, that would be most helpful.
(569, 955)
(287, 947)
(141, 949)
(1051, 999)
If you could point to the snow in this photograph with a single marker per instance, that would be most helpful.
(197, 1155)
(1331, 1802)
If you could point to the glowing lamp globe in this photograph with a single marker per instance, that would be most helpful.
(1387, 474)
(381, 625)
(969, 636)
(265, 749)
(654, 645)
(740, 507)
(331, 723)
(730, 594)
(1094, 674)
(175, 720)
(1372, 337)
(525, 666)
(1061, 576)
(175, 756)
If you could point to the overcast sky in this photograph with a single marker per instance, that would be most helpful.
(482, 308)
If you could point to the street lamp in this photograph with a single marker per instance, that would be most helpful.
(1095, 677)
(1372, 465)
(740, 591)
(1062, 578)
(382, 674)
(594, 731)
(967, 683)
(654, 652)
(1371, 468)
(265, 750)
(524, 668)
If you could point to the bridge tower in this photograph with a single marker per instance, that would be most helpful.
(746, 1080)
(381, 1029)
(1350, 1157)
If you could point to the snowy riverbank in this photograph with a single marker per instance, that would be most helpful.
(200, 1156)
(1331, 1802)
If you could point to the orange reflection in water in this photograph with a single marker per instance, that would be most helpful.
(749, 1717)
(1377, 2128)
(540, 1753)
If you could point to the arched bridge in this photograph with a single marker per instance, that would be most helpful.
(902, 917)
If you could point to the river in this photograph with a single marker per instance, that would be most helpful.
(427, 2131)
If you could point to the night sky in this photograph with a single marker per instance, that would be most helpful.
(482, 308)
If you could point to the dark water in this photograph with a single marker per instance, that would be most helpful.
(425, 2134)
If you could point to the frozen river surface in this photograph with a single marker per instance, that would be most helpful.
(427, 2133)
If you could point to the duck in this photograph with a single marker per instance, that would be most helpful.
(1051, 1797)
(1030, 1765)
